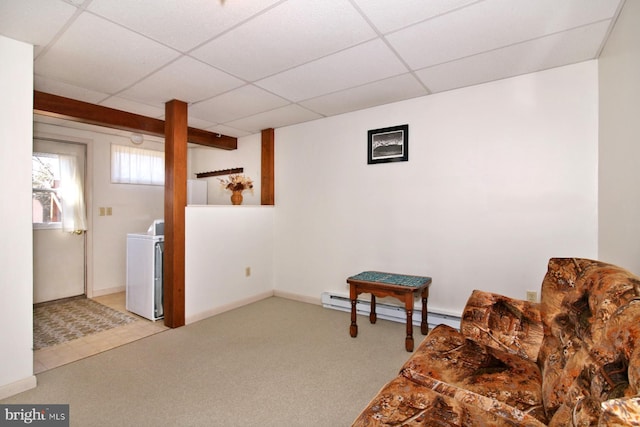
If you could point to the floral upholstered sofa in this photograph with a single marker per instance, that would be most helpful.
(571, 360)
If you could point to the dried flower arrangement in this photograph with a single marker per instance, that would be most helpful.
(237, 183)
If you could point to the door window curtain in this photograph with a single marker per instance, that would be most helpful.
(71, 191)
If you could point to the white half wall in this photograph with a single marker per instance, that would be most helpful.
(501, 177)
(619, 179)
(247, 156)
(16, 265)
(221, 243)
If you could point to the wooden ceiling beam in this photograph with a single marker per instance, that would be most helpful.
(84, 112)
(211, 139)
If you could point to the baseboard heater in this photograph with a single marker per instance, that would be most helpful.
(387, 311)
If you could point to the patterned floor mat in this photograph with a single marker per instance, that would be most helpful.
(56, 323)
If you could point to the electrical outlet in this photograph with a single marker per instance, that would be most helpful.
(247, 271)
(532, 296)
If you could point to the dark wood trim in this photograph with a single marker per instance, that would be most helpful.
(83, 112)
(219, 172)
(175, 200)
(211, 139)
(267, 196)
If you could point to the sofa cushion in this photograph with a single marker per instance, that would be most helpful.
(591, 323)
(446, 356)
(503, 323)
(621, 412)
(403, 402)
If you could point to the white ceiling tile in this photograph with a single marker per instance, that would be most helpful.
(389, 15)
(378, 93)
(179, 24)
(186, 79)
(53, 87)
(228, 130)
(263, 46)
(134, 107)
(362, 64)
(552, 51)
(238, 103)
(91, 54)
(34, 21)
(284, 116)
(493, 24)
(327, 56)
(198, 123)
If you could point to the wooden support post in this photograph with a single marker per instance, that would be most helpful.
(267, 178)
(175, 200)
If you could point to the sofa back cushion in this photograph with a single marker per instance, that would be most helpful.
(591, 316)
(504, 323)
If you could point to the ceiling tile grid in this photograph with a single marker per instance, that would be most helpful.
(186, 78)
(35, 21)
(362, 64)
(393, 89)
(242, 102)
(563, 48)
(286, 36)
(99, 55)
(244, 65)
(278, 117)
(182, 25)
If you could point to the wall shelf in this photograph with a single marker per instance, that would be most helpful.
(219, 172)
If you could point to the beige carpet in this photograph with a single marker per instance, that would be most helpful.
(276, 362)
(61, 321)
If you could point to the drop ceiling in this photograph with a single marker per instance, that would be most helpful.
(246, 65)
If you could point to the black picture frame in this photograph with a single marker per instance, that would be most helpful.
(390, 144)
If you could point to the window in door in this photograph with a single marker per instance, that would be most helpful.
(45, 175)
(57, 193)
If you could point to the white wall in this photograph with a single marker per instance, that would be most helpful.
(16, 277)
(501, 177)
(221, 243)
(134, 207)
(247, 156)
(619, 178)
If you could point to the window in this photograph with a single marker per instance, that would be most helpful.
(132, 165)
(45, 177)
(57, 193)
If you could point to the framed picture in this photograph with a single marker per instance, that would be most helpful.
(388, 145)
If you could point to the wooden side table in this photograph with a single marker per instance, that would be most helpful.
(381, 285)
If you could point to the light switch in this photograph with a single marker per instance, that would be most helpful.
(101, 211)
(109, 211)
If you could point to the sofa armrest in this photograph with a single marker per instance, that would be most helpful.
(503, 323)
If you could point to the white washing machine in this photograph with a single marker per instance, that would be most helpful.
(145, 275)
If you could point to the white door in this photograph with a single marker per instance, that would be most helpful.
(58, 256)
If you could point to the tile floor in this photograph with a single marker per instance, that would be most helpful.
(70, 351)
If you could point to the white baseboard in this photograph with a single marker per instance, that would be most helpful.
(14, 388)
(226, 307)
(108, 291)
(297, 297)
